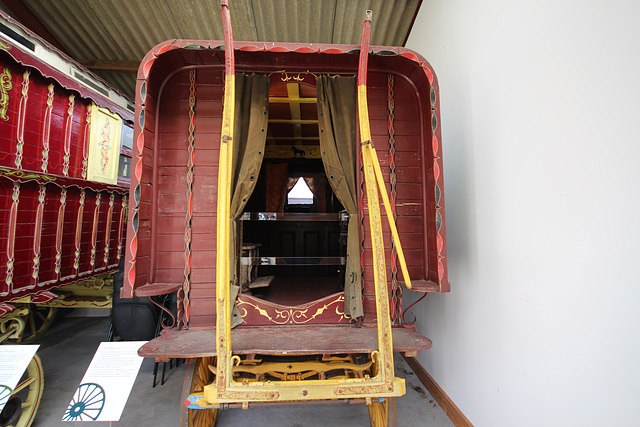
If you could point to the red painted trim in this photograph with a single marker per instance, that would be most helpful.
(59, 231)
(67, 136)
(43, 297)
(183, 306)
(107, 232)
(76, 261)
(37, 232)
(46, 129)
(364, 50)
(13, 219)
(230, 60)
(94, 232)
(22, 112)
(28, 59)
(6, 308)
(123, 211)
(85, 142)
(22, 176)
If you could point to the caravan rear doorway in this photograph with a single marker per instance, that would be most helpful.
(300, 244)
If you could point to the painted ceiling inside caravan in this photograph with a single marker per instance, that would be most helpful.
(110, 37)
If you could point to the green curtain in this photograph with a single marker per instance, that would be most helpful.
(337, 124)
(250, 134)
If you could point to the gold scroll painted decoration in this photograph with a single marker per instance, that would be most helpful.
(104, 146)
(326, 310)
(5, 87)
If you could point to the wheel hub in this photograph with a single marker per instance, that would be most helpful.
(11, 412)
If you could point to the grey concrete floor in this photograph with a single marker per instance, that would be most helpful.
(68, 347)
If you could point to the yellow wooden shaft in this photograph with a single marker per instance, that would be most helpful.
(392, 224)
(223, 223)
(223, 303)
(365, 136)
(385, 341)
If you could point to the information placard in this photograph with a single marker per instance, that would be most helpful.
(14, 360)
(105, 387)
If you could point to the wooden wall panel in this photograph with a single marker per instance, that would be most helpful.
(172, 190)
(170, 178)
(410, 175)
(208, 124)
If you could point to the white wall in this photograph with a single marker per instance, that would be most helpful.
(540, 107)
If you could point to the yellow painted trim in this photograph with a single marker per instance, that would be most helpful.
(365, 135)
(392, 224)
(385, 340)
(223, 303)
(300, 390)
(363, 114)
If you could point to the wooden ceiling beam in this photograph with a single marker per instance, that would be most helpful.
(26, 17)
(293, 91)
(293, 138)
(283, 100)
(290, 121)
(110, 66)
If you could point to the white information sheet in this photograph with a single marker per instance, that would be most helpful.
(106, 385)
(14, 360)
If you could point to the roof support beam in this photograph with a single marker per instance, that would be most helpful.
(293, 91)
(110, 66)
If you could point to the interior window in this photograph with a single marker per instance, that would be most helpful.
(300, 194)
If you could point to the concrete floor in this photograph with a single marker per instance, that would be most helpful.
(68, 347)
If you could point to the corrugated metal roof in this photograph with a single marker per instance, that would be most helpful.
(118, 33)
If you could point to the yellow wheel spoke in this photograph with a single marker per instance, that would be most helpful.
(40, 315)
(32, 323)
(24, 384)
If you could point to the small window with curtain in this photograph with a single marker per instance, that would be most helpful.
(300, 198)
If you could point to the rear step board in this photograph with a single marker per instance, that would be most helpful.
(281, 340)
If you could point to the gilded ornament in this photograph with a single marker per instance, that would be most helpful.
(5, 87)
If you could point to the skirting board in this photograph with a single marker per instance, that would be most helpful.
(453, 412)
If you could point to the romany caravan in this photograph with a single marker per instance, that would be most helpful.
(286, 297)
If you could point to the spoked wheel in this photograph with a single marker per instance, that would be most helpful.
(194, 381)
(37, 321)
(22, 406)
(87, 403)
(383, 414)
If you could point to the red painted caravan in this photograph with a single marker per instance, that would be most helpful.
(286, 296)
(63, 189)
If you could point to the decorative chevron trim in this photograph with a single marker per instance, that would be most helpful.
(46, 129)
(184, 305)
(67, 136)
(22, 112)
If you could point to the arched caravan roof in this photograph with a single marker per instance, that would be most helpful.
(419, 87)
(28, 49)
(172, 55)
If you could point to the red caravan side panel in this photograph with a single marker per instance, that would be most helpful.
(42, 147)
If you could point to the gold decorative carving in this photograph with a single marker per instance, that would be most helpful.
(25, 174)
(292, 315)
(5, 87)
